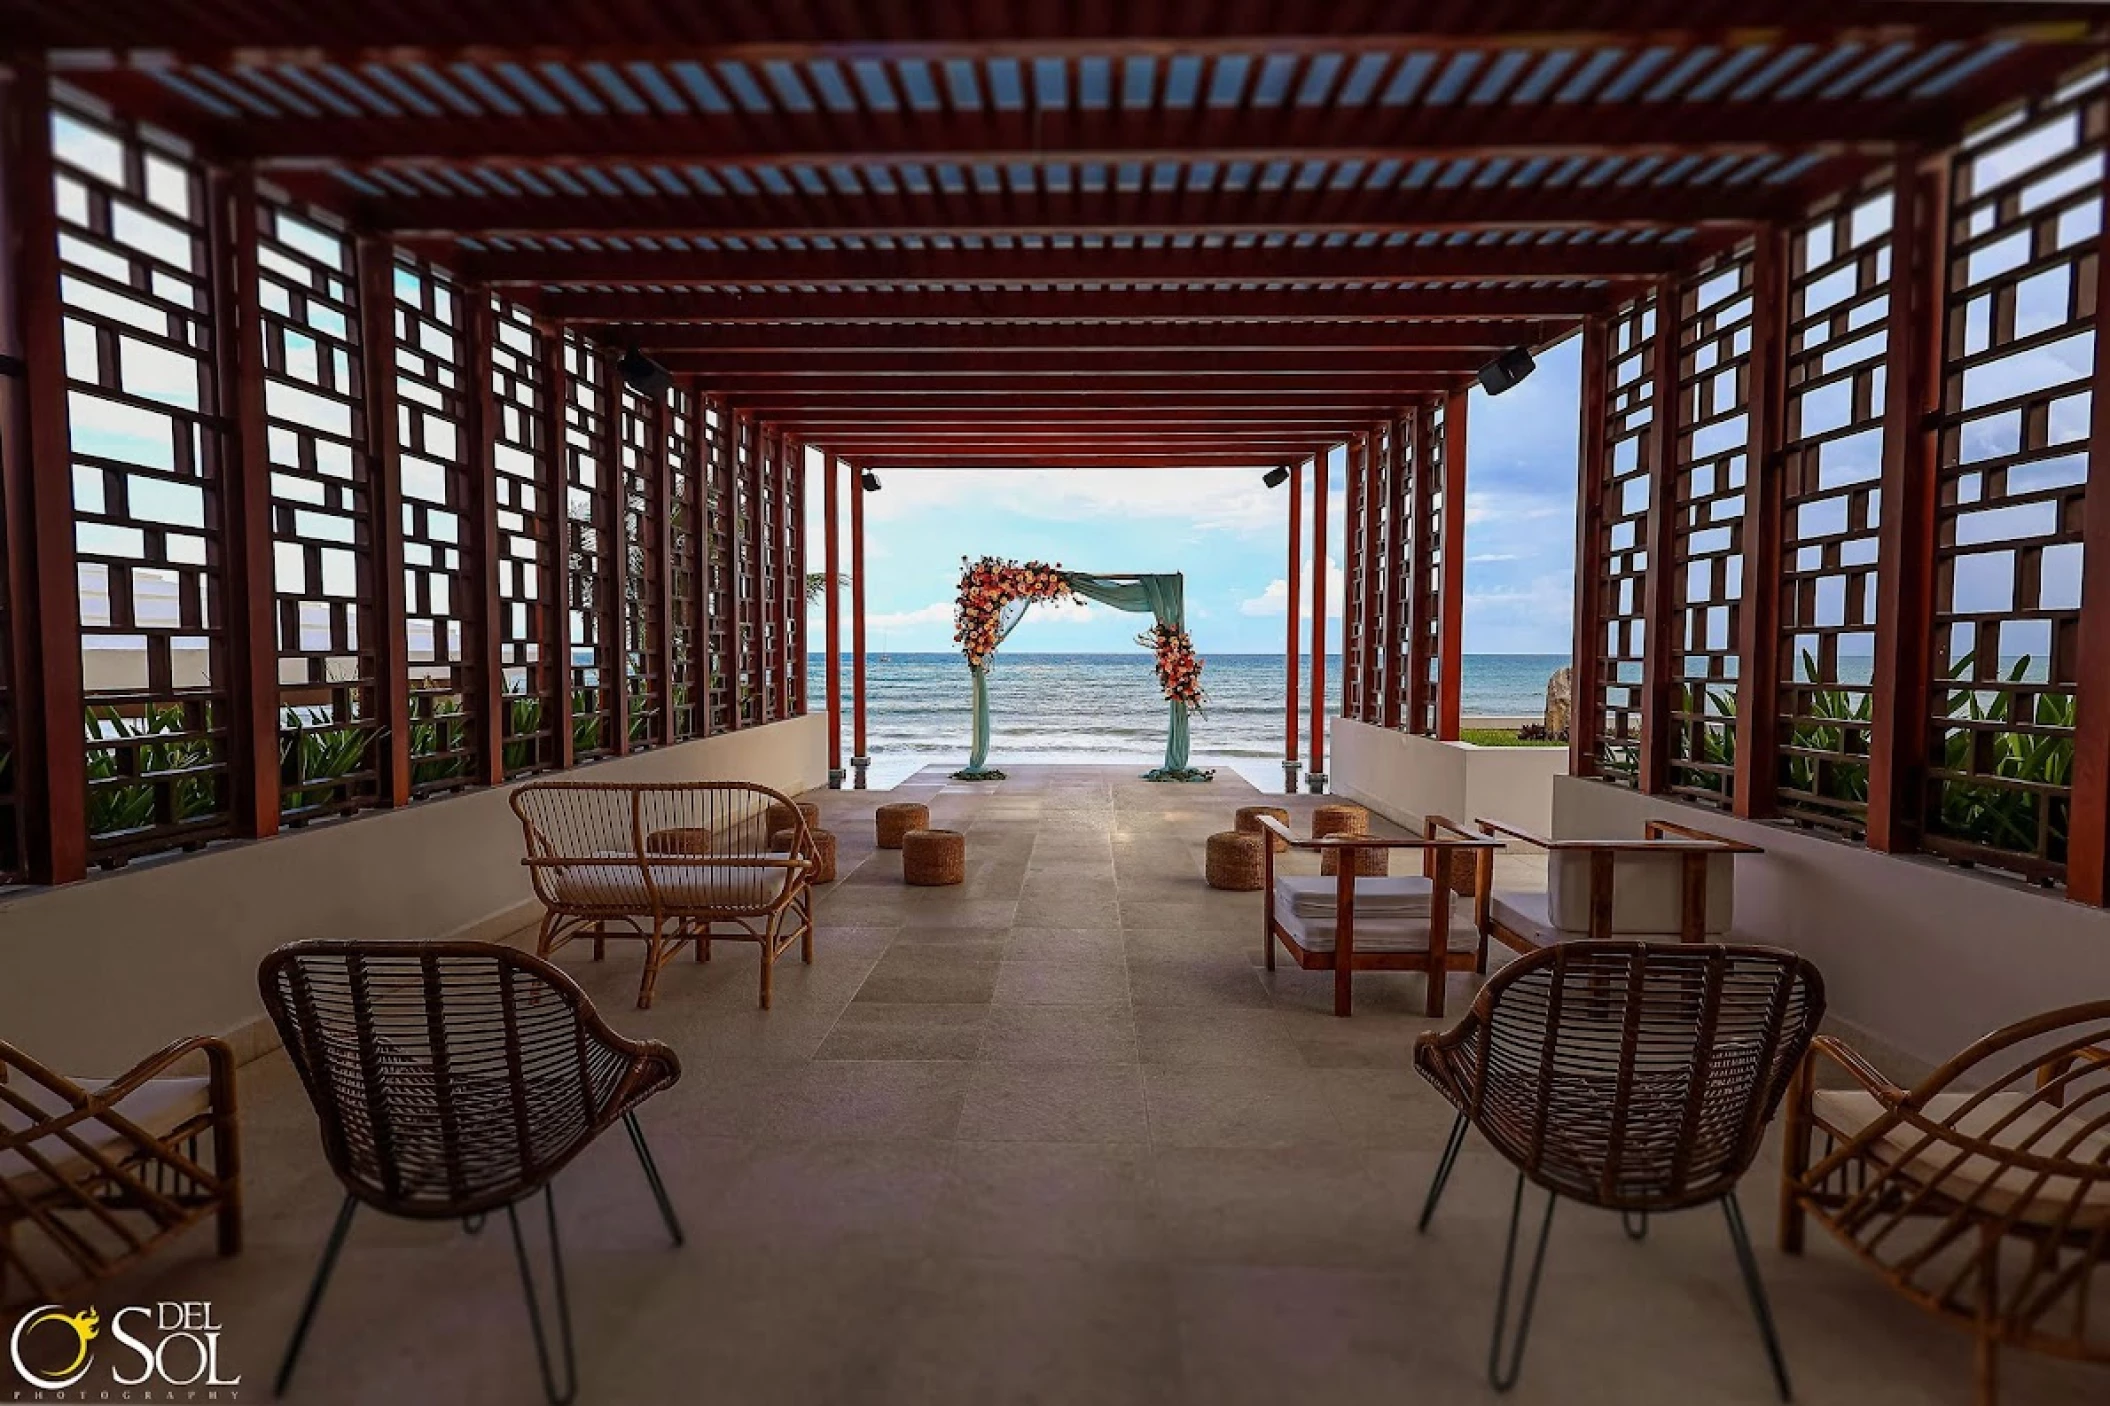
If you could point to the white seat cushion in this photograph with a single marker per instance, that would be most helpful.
(1647, 894)
(2039, 1130)
(1377, 935)
(1404, 897)
(717, 883)
(160, 1106)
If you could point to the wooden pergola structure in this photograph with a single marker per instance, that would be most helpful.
(311, 318)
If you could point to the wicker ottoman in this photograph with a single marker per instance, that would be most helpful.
(1345, 820)
(1235, 860)
(823, 845)
(1248, 823)
(779, 817)
(681, 839)
(898, 818)
(934, 858)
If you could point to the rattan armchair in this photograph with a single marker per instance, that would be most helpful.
(453, 1079)
(1408, 923)
(671, 865)
(1675, 883)
(1982, 1194)
(95, 1175)
(1630, 1076)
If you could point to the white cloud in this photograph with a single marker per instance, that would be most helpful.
(1274, 600)
(938, 612)
(1202, 500)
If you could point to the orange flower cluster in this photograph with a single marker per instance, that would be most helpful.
(1179, 667)
(986, 587)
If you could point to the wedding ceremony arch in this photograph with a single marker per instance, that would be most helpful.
(995, 595)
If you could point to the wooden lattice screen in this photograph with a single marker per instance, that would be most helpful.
(11, 867)
(721, 592)
(1616, 515)
(643, 547)
(2024, 240)
(593, 571)
(444, 628)
(792, 582)
(1709, 471)
(685, 548)
(530, 574)
(1831, 470)
(149, 468)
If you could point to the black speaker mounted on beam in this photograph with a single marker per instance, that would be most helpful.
(644, 375)
(1506, 370)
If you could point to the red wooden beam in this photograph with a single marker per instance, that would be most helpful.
(1320, 475)
(2088, 822)
(1901, 693)
(1659, 585)
(895, 268)
(1421, 588)
(1068, 212)
(252, 626)
(36, 483)
(1758, 610)
(375, 265)
(831, 512)
(663, 505)
(465, 32)
(486, 543)
(615, 625)
(1397, 465)
(768, 344)
(1039, 133)
(1351, 578)
(1586, 712)
(859, 757)
(1073, 459)
(551, 340)
(737, 370)
(755, 657)
(1025, 309)
(1450, 630)
(1293, 651)
(1355, 403)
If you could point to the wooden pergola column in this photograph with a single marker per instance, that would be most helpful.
(1315, 778)
(1758, 611)
(1398, 469)
(1292, 650)
(859, 758)
(1450, 602)
(51, 759)
(486, 540)
(2088, 823)
(831, 552)
(1657, 706)
(1586, 710)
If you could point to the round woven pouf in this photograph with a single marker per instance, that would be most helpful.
(1345, 820)
(681, 839)
(823, 845)
(1234, 860)
(1248, 823)
(934, 858)
(896, 819)
(780, 815)
(1369, 863)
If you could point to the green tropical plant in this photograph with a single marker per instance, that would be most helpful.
(641, 712)
(817, 584)
(437, 741)
(523, 722)
(1717, 742)
(121, 800)
(313, 761)
(1840, 725)
(2007, 817)
(585, 723)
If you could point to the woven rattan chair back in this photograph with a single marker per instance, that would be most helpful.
(450, 1078)
(1633, 1076)
(1982, 1193)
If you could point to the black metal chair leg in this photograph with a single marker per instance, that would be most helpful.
(1635, 1223)
(321, 1282)
(1500, 1377)
(1443, 1171)
(1756, 1288)
(659, 1188)
(527, 1285)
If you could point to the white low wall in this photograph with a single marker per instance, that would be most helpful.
(1919, 957)
(1404, 777)
(97, 974)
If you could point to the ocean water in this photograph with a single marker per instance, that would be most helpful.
(1106, 708)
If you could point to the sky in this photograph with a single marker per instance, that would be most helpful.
(1228, 534)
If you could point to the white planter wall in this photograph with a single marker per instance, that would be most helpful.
(1404, 777)
(95, 975)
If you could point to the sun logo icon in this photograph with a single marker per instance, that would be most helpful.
(83, 1325)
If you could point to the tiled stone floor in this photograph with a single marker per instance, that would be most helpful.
(1053, 1136)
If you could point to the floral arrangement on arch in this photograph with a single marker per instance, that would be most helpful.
(989, 585)
(1179, 667)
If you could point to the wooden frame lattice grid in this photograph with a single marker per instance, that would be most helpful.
(1615, 512)
(644, 517)
(593, 580)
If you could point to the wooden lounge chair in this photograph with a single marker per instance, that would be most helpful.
(451, 1080)
(669, 864)
(96, 1174)
(1408, 923)
(1634, 1077)
(1982, 1193)
(1675, 884)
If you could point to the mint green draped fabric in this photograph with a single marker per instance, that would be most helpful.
(1164, 597)
(978, 768)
